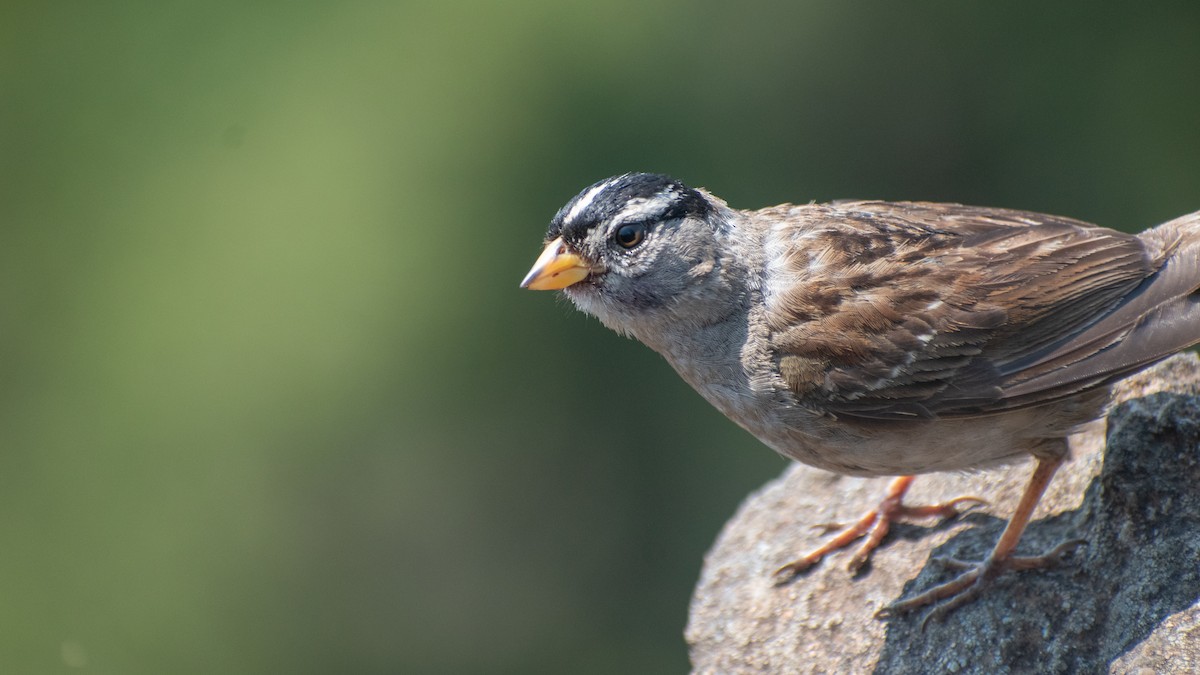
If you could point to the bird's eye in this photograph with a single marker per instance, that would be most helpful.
(630, 235)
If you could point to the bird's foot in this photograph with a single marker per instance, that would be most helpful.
(975, 576)
(874, 525)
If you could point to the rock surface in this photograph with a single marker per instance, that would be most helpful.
(1127, 602)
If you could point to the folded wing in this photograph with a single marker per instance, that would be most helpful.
(909, 310)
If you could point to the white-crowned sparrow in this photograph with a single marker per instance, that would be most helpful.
(875, 338)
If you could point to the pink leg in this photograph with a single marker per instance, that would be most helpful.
(874, 525)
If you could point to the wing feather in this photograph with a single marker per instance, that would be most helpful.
(903, 310)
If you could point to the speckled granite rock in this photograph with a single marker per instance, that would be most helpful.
(1128, 602)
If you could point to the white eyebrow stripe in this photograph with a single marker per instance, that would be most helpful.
(586, 200)
(644, 208)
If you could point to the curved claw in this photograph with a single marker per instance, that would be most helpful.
(945, 509)
(977, 502)
(791, 570)
(861, 557)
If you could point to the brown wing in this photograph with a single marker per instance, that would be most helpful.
(902, 310)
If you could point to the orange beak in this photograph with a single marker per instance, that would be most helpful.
(556, 268)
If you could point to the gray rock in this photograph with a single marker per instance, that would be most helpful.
(1127, 602)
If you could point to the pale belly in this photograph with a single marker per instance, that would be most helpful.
(873, 448)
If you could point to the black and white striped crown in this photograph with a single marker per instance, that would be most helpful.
(628, 198)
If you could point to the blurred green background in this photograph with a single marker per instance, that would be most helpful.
(270, 399)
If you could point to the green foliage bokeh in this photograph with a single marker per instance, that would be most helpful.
(270, 399)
